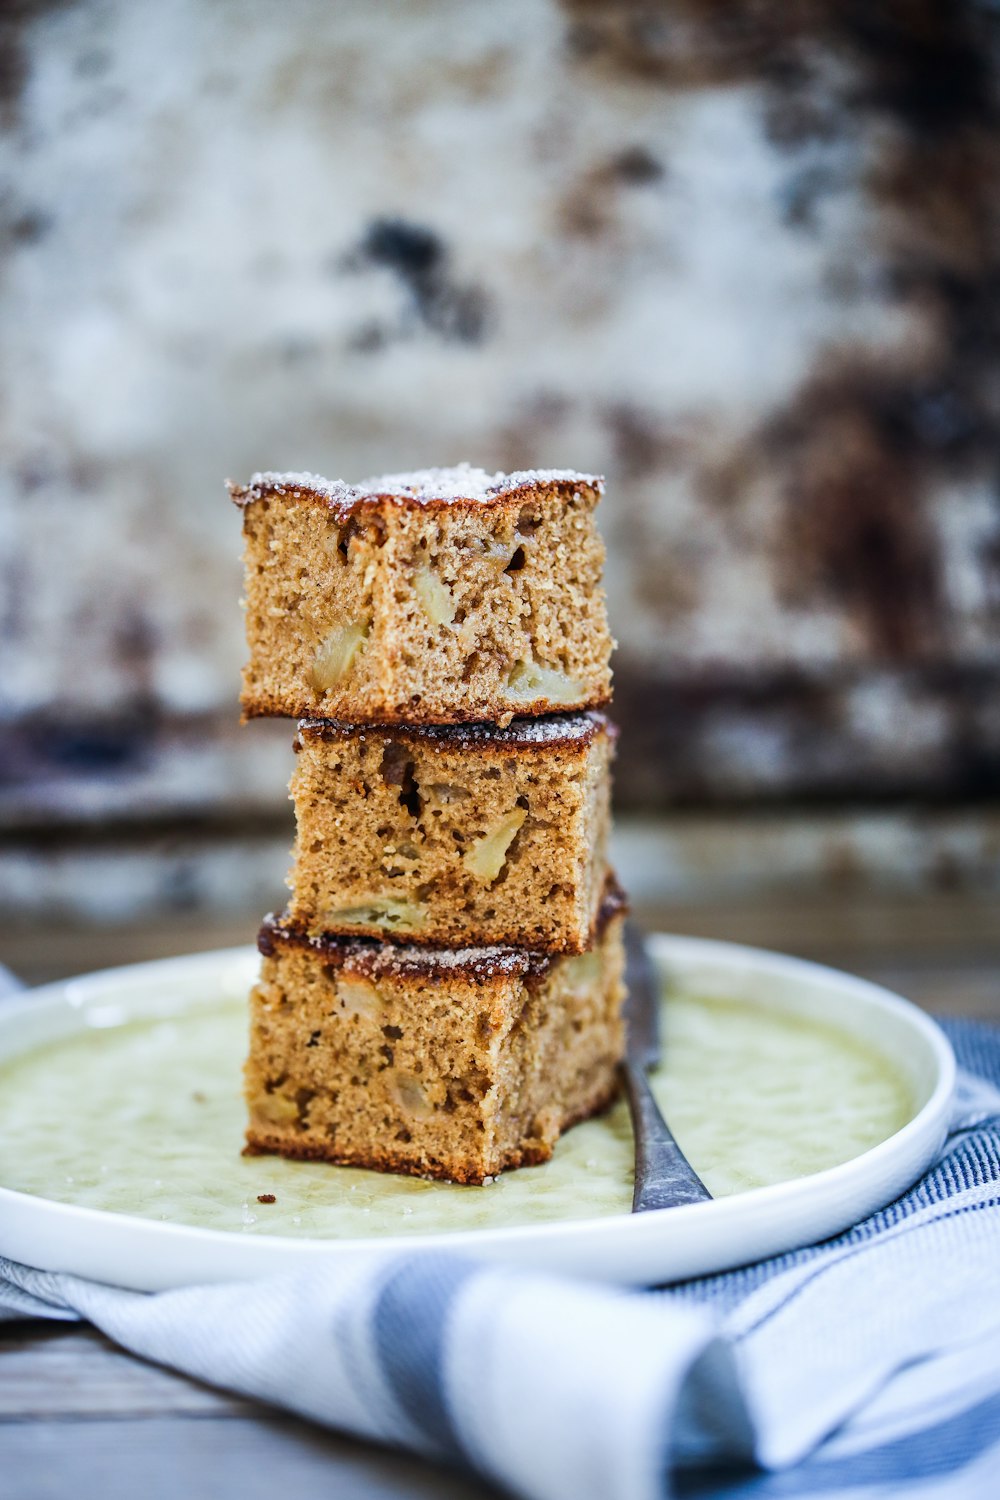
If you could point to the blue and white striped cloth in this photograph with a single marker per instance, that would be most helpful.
(864, 1367)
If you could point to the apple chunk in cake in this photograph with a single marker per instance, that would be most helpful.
(446, 596)
(452, 836)
(438, 1063)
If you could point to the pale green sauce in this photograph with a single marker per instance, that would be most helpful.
(147, 1119)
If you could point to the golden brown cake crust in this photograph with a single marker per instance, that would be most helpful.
(463, 487)
(257, 704)
(263, 1143)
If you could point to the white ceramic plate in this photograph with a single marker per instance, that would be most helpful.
(671, 1244)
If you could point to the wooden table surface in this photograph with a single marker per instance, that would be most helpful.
(78, 1417)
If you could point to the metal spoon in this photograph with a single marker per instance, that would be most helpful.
(664, 1178)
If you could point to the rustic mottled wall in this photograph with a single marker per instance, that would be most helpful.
(742, 259)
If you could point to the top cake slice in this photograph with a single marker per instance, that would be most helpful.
(440, 597)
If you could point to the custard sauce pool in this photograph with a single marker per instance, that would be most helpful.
(147, 1119)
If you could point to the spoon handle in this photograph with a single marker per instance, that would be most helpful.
(664, 1178)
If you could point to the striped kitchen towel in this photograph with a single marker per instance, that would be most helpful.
(866, 1366)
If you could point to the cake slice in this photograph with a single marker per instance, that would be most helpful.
(453, 836)
(445, 596)
(438, 1063)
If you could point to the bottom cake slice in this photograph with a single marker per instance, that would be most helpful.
(434, 1062)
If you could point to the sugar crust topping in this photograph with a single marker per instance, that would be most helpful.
(377, 959)
(462, 483)
(553, 729)
(369, 956)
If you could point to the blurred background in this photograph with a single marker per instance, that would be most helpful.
(743, 259)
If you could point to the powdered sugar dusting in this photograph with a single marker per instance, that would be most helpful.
(369, 956)
(551, 730)
(463, 482)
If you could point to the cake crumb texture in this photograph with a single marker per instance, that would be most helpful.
(450, 837)
(445, 596)
(445, 1072)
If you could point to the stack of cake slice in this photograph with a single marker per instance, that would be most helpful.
(442, 995)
